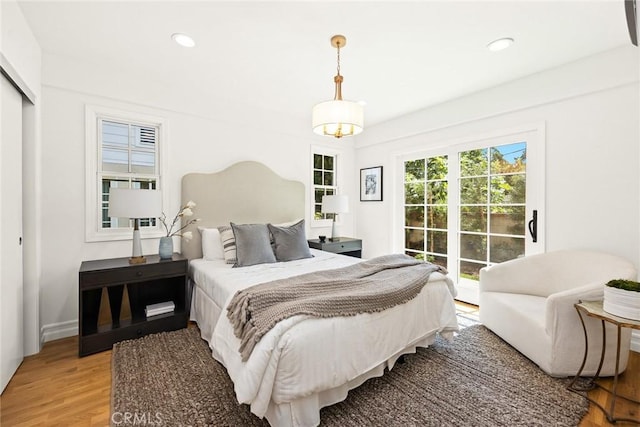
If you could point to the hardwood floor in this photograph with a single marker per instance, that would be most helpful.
(56, 388)
(628, 385)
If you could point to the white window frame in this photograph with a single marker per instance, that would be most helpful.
(336, 154)
(93, 210)
(451, 148)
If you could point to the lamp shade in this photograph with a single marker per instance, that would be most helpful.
(134, 203)
(337, 118)
(335, 204)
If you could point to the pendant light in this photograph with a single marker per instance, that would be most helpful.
(337, 118)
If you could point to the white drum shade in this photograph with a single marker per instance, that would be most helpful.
(335, 204)
(337, 118)
(134, 203)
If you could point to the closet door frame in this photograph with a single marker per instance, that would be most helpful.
(11, 259)
(31, 214)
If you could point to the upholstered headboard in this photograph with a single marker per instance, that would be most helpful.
(246, 192)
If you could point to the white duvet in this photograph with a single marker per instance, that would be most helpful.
(304, 356)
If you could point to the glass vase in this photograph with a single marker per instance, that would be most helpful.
(166, 247)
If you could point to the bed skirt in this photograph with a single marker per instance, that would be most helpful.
(305, 412)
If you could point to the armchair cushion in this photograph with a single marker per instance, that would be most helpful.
(560, 305)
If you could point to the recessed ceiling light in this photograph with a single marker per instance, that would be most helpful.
(183, 40)
(500, 44)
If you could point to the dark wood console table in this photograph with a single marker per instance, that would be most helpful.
(153, 282)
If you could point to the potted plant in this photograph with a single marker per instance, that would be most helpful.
(622, 298)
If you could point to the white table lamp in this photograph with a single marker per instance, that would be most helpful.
(335, 204)
(135, 204)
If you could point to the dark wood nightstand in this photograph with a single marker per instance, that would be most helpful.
(341, 245)
(156, 281)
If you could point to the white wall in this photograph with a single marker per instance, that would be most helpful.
(202, 137)
(592, 114)
(21, 55)
(19, 45)
(590, 106)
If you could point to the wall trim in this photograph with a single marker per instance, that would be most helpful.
(576, 79)
(10, 72)
(504, 111)
(635, 341)
(55, 331)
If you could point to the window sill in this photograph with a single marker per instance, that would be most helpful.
(322, 223)
(122, 235)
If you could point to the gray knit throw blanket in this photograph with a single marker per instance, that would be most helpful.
(367, 287)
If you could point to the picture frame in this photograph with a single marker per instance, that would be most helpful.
(371, 184)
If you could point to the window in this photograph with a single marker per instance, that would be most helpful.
(426, 193)
(128, 154)
(324, 182)
(123, 151)
(492, 206)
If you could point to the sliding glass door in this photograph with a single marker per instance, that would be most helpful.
(474, 204)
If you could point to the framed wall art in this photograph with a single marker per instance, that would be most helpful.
(371, 184)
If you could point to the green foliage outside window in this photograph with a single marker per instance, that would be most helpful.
(492, 198)
(426, 194)
(324, 182)
(491, 210)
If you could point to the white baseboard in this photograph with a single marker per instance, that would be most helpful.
(635, 341)
(55, 331)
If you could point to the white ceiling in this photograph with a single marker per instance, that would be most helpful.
(274, 55)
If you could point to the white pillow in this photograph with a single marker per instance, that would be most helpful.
(211, 244)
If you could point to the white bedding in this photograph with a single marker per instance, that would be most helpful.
(305, 363)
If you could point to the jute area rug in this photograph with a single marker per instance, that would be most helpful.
(171, 379)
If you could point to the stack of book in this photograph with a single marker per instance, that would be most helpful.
(159, 308)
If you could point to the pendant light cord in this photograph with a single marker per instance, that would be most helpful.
(338, 78)
(338, 68)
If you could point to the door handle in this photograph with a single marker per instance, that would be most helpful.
(533, 226)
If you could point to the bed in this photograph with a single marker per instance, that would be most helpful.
(304, 363)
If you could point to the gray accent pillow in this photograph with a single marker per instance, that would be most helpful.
(252, 244)
(290, 242)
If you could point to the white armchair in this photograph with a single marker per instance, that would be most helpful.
(529, 303)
